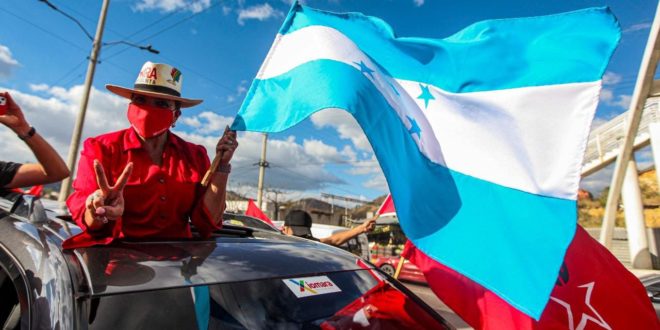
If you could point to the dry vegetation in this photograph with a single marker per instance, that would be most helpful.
(590, 211)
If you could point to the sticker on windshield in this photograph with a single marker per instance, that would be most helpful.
(311, 286)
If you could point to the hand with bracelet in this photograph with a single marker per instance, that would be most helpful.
(50, 166)
(106, 203)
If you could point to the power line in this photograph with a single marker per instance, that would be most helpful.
(75, 20)
(166, 28)
(188, 69)
(89, 35)
(44, 30)
(75, 67)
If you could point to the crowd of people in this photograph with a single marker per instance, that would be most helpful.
(143, 181)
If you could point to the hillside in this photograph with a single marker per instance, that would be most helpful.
(591, 211)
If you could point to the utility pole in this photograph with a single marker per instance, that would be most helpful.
(65, 189)
(262, 171)
(276, 202)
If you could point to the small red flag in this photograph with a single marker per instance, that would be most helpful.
(593, 291)
(387, 208)
(254, 211)
(35, 191)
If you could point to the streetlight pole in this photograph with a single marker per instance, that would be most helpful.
(65, 189)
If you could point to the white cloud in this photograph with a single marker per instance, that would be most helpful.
(418, 3)
(54, 116)
(39, 87)
(240, 91)
(291, 167)
(258, 12)
(207, 123)
(345, 125)
(611, 78)
(167, 6)
(349, 153)
(621, 101)
(637, 27)
(322, 152)
(7, 62)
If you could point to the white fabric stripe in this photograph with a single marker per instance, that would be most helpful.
(530, 138)
(508, 137)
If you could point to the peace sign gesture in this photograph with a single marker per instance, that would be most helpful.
(107, 202)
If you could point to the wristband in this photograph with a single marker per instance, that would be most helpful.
(224, 168)
(29, 134)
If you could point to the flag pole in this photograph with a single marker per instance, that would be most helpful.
(399, 267)
(212, 169)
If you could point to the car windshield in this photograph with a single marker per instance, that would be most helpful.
(341, 300)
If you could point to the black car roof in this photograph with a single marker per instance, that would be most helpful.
(137, 266)
(233, 254)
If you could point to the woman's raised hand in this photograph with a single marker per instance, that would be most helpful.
(107, 203)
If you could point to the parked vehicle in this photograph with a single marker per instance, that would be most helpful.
(241, 278)
(358, 245)
(409, 272)
(234, 219)
(652, 284)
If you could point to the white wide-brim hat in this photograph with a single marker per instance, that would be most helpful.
(157, 80)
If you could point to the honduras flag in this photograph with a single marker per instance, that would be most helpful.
(480, 135)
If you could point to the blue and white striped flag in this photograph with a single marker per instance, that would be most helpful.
(480, 135)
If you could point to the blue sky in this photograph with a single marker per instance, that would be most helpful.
(219, 46)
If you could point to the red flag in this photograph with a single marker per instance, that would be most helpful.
(593, 291)
(387, 207)
(254, 211)
(35, 191)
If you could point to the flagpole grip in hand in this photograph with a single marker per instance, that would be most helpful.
(212, 169)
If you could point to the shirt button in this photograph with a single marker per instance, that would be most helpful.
(162, 198)
(161, 180)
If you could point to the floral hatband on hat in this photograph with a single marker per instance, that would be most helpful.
(157, 80)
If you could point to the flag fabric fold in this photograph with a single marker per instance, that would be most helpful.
(480, 135)
(387, 208)
(592, 291)
(254, 211)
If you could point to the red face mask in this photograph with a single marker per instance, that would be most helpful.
(148, 120)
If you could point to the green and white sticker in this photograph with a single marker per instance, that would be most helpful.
(311, 286)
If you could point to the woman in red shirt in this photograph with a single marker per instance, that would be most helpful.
(157, 175)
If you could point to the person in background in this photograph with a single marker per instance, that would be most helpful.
(299, 223)
(144, 181)
(50, 167)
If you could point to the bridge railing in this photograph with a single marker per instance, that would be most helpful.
(605, 140)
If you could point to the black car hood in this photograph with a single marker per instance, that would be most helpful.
(138, 266)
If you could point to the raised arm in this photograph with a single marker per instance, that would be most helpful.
(50, 167)
(341, 237)
(214, 197)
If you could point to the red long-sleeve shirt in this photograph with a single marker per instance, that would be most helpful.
(159, 200)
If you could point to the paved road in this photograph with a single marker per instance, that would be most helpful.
(427, 295)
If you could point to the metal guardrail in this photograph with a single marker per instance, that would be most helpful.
(605, 140)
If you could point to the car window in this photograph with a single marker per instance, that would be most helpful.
(336, 300)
